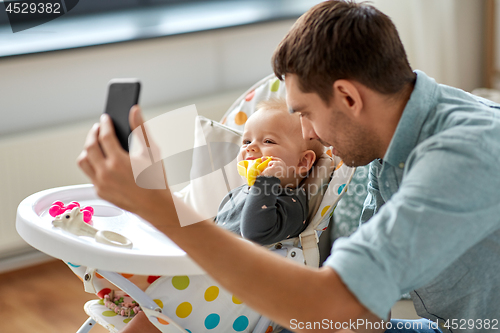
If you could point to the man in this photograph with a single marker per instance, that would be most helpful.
(433, 209)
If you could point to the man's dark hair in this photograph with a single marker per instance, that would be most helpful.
(343, 40)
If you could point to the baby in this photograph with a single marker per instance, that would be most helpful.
(274, 208)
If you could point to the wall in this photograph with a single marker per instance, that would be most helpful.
(49, 101)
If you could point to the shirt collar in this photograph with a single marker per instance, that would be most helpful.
(409, 127)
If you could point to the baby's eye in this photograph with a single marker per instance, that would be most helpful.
(246, 142)
(268, 141)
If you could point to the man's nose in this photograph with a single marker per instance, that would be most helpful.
(307, 130)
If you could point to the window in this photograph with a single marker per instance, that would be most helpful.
(96, 22)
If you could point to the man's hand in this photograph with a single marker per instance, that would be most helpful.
(108, 166)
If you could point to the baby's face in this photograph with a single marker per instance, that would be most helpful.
(272, 133)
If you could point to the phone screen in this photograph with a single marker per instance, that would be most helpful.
(122, 95)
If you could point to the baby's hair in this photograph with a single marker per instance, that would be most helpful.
(279, 104)
(276, 103)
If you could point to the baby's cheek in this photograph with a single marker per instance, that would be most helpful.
(240, 157)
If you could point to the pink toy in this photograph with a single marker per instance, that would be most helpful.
(58, 208)
(121, 303)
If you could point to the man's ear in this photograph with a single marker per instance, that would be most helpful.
(306, 162)
(347, 95)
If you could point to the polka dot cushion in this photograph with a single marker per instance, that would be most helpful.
(196, 303)
(199, 304)
(246, 105)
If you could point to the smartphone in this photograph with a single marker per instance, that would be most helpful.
(122, 95)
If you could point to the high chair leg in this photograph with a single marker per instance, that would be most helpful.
(87, 326)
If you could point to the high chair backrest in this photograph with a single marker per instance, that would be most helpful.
(327, 181)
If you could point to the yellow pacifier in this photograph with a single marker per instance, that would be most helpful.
(250, 169)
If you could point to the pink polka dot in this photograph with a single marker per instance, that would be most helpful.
(250, 95)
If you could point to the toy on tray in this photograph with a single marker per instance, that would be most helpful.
(74, 222)
(58, 208)
(250, 169)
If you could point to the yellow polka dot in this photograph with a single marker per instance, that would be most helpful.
(211, 293)
(324, 210)
(159, 303)
(329, 152)
(180, 282)
(127, 320)
(184, 310)
(236, 300)
(100, 301)
(240, 118)
(127, 275)
(339, 165)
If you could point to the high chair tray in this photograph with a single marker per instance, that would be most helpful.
(152, 253)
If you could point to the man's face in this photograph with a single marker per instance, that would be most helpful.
(331, 125)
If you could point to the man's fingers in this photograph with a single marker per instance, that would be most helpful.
(135, 117)
(107, 137)
(92, 152)
(85, 165)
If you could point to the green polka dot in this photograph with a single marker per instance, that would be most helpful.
(127, 320)
(275, 86)
(180, 282)
(100, 302)
(211, 293)
(109, 314)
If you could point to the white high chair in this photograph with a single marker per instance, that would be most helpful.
(155, 272)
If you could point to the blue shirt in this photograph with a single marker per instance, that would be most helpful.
(432, 212)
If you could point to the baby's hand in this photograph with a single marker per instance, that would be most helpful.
(276, 168)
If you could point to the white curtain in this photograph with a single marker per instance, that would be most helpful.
(444, 38)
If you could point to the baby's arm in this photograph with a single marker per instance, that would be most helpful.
(269, 215)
